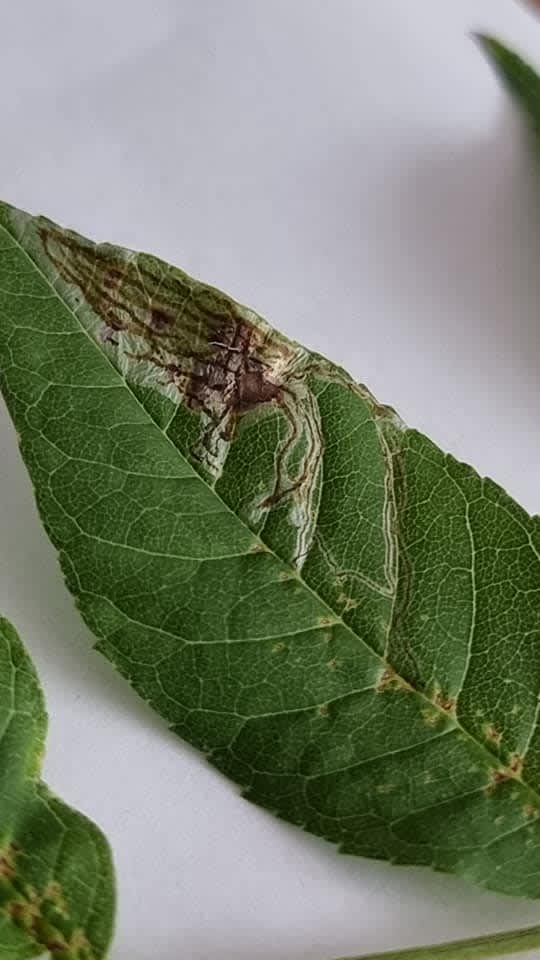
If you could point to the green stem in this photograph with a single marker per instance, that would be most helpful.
(479, 948)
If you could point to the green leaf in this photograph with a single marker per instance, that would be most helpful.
(478, 948)
(56, 876)
(342, 617)
(518, 77)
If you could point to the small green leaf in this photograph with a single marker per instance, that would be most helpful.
(56, 876)
(519, 78)
(342, 617)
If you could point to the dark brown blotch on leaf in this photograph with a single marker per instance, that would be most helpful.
(216, 357)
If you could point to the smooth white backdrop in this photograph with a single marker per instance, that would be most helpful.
(353, 170)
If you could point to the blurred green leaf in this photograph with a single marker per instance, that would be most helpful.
(56, 876)
(518, 77)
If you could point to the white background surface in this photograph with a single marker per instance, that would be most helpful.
(351, 169)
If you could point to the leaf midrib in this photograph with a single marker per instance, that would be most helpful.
(386, 665)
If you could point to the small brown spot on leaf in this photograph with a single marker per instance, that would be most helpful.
(54, 946)
(334, 663)
(503, 774)
(444, 702)
(386, 680)
(494, 735)
(516, 765)
(323, 710)
(6, 868)
(258, 547)
(23, 912)
(33, 912)
(159, 319)
(111, 277)
(530, 812)
(7, 860)
(390, 680)
(325, 621)
(279, 647)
